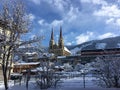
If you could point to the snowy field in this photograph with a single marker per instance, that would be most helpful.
(67, 84)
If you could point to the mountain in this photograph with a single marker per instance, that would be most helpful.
(108, 43)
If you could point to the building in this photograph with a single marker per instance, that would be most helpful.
(27, 54)
(101, 52)
(22, 67)
(58, 49)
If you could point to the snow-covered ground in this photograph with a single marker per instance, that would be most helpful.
(68, 84)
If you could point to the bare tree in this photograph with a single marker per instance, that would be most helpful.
(13, 23)
(108, 71)
(47, 76)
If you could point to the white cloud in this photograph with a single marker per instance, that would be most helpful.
(69, 38)
(85, 1)
(113, 21)
(68, 43)
(91, 35)
(118, 1)
(67, 10)
(103, 2)
(84, 37)
(110, 20)
(108, 11)
(72, 14)
(31, 17)
(106, 35)
(118, 21)
(82, 17)
(57, 23)
(111, 13)
(43, 23)
(58, 4)
(33, 36)
(37, 2)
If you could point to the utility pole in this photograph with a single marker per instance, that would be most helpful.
(84, 79)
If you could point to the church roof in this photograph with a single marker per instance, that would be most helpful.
(66, 49)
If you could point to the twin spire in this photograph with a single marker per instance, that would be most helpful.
(58, 48)
(60, 42)
(52, 34)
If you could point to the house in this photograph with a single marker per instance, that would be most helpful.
(22, 67)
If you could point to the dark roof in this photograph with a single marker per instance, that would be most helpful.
(99, 50)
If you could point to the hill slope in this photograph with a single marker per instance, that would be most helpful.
(107, 43)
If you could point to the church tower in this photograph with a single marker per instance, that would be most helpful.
(58, 49)
(61, 42)
(51, 43)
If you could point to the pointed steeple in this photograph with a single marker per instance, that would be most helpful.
(51, 44)
(52, 35)
(60, 32)
(61, 43)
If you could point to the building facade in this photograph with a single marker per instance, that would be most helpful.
(58, 49)
(101, 52)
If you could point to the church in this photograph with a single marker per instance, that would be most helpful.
(58, 49)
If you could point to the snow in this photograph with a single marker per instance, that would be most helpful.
(68, 84)
(75, 50)
(32, 53)
(59, 57)
(39, 69)
(59, 66)
(118, 45)
(47, 55)
(100, 45)
(31, 63)
(20, 61)
(21, 46)
(65, 48)
(16, 74)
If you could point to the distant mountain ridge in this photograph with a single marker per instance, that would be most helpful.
(107, 43)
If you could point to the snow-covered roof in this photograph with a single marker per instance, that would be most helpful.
(31, 63)
(59, 66)
(16, 74)
(21, 46)
(61, 57)
(42, 69)
(31, 53)
(48, 54)
(65, 48)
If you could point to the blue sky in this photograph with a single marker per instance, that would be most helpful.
(81, 20)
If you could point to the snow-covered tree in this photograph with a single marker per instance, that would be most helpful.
(68, 67)
(13, 24)
(108, 71)
(47, 76)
